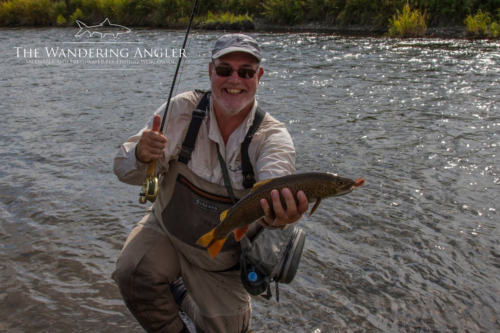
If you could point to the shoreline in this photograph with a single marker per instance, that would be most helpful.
(451, 32)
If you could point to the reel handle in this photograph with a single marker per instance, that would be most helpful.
(150, 186)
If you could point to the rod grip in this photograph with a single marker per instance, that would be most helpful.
(151, 168)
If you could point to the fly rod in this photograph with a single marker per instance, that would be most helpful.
(150, 186)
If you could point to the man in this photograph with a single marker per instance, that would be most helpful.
(162, 248)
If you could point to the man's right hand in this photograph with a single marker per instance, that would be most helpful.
(151, 144)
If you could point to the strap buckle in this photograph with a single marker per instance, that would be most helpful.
(248, 180)
(199, 113)
(186, 152)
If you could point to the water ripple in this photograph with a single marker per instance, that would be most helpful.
(416, 249)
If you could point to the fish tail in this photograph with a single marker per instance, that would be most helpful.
(208, 240)
(215, 248)
(81, 25)
(83, 28)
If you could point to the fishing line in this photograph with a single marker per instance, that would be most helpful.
(193, 12)
(183, 63)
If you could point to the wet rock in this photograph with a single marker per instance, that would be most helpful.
(235, 26)
(247, 25)
(224, 26)
(210, 26)
(446, 32)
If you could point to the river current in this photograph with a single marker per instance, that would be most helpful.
(414, 250)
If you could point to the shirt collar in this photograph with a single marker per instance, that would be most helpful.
(238, 135)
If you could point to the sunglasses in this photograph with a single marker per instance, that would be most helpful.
(226, 71)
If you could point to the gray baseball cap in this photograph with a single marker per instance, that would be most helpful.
(236, 43)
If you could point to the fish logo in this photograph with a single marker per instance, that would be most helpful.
(105, 28)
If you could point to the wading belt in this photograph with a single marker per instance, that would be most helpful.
(189, 141)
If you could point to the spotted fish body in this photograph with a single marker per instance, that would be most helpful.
(316, 185)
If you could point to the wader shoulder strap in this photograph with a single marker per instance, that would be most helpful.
(247, 169)
(189, 141)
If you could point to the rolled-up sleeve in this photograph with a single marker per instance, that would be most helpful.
(126, 166)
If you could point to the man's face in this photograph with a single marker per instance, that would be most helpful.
(234, 94)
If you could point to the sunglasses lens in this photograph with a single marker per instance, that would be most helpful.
(246, 73)
(224, 70)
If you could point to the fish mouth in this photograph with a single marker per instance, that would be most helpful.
(358, 183)
(343, 191)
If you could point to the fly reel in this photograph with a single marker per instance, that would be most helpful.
(149, 190)
(150, 186)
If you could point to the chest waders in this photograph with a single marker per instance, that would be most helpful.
(190, 206)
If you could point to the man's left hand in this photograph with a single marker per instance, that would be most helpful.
(282, 217)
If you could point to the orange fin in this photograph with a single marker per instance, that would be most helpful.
(259, 184)
(206, 239)
(316, 205)
(216, 246)
(240, 232)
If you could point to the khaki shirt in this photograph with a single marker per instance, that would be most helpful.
(271, 151)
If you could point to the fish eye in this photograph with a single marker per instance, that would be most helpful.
(341, 183)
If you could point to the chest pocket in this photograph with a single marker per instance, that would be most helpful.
(194, 207)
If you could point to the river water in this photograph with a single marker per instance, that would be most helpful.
(415, 250)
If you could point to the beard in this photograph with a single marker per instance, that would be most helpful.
(232, 105)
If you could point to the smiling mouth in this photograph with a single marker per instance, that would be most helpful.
(233, 91)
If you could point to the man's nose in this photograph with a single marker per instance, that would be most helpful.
(234, 77)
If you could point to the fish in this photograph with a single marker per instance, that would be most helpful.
(237, 219)
(104, 28)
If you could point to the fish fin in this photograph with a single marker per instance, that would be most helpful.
(259, 184)
(82, 27)
(206, 239)
(240, 232)
(223, 215)
(106, 22)
(316, 205)
(215, 248)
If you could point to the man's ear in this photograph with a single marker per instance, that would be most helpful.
(260, 73)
